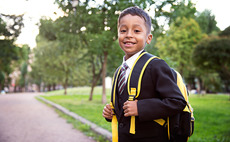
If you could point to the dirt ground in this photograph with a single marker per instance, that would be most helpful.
(25, 119)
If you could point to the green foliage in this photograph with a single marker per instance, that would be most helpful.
(59, 52)
(3, 29)
(43, 65)
(35, 76)
(10, 28)
(184, 8)
(47, 29)
(88, 34)
(225, 32)
(211, 112)
(22, 65)
(178, 43)
(2, 80)
(211, 82)
(100, 20)
(115, 58)
(22, 81)
(170, 11)
(212, 55)
(54, 64)
(8, 53)
(207, 22)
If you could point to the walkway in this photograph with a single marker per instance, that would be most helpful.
(25, 119)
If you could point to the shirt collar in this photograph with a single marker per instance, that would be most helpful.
(132, 59)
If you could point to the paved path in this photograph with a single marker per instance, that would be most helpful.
(25, 119)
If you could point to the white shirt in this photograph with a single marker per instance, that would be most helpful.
(130, 63)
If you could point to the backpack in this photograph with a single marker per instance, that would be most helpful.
(179, 127)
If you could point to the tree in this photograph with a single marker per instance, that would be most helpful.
(212, 55)
(10, 28)
(207, 22)
(35, 75)
(104, 16)
(184, 8)
(42, 66)
(55, 65)
(178, 43)
(166, 13)
(99, 21)
(170, 11)
(225, 32)
(58, 51)
(23, 64)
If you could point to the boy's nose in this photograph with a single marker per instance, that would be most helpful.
(129, 34)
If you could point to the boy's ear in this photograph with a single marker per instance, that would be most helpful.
(149, 38)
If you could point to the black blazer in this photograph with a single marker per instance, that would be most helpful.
(159, 97)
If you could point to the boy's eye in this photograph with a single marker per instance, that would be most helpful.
(136, 31)
(122, 31)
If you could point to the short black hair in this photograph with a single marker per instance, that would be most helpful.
(138, 12)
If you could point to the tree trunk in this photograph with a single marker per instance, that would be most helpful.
(54, 86)
(103, 77)
(15, 89)
(49, 87)
(66, 83)
(39, 88)
(96, 77)
(93, 81)
(65, 87)
(91, 92)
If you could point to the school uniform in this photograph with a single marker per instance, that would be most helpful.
(159, 97)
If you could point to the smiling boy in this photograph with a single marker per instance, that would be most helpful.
(159, 96)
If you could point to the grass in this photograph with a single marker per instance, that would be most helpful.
(212, 112)
(82, 127)
(77, 102)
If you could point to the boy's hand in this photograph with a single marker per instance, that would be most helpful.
(130, 108)
(107, 112)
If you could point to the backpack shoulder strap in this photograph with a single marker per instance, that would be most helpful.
(114, 84)
(112, 104)
(134, 81)
(136, 73)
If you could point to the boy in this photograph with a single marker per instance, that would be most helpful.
(159, 96)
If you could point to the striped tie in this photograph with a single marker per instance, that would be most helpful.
(121, 79)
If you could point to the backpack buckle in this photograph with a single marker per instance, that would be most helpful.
(132, 94)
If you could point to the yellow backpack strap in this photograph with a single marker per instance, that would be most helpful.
(187, 110)
(132, 121)
(134, 81)
(114, 85)
(183, 90)
(112, 103)
(114, 125)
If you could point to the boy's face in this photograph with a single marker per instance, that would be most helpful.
(132, 35)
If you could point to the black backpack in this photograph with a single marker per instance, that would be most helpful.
(180, 126)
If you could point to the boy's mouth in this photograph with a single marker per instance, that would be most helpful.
(129, 43)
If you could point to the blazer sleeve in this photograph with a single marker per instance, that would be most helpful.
(169, 101)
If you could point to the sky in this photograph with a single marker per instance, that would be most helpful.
(33, 10)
